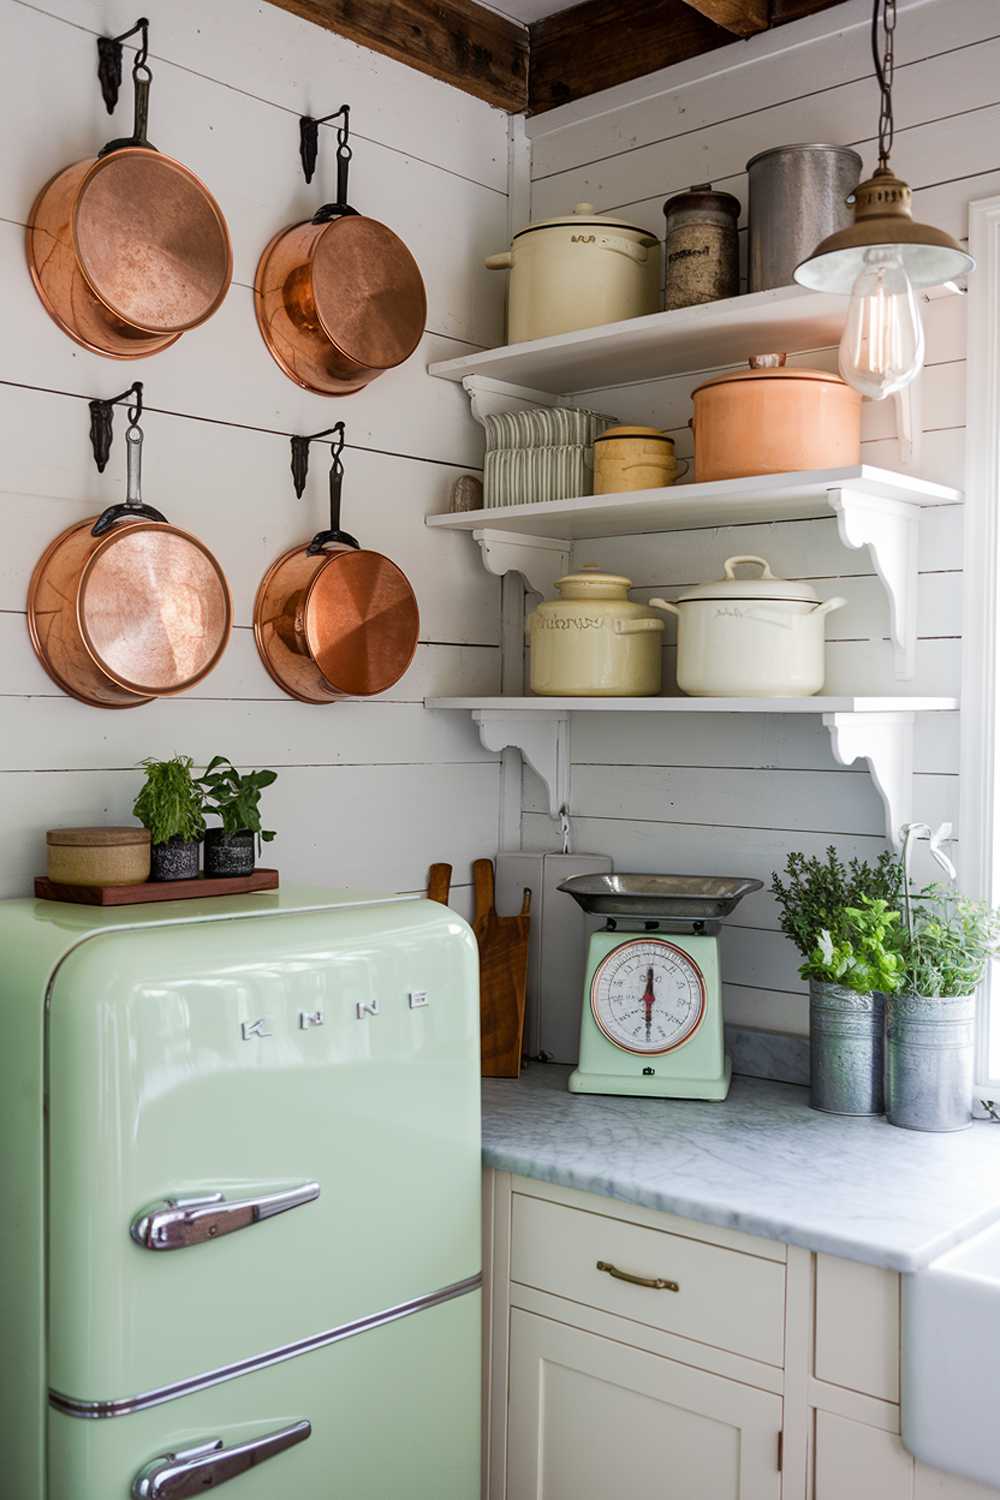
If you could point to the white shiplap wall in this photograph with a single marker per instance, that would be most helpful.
(368, 792)
(734, 794)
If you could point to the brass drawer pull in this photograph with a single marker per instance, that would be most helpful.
(656, 1282)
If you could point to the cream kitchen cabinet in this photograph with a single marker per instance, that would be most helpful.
(732, 1367)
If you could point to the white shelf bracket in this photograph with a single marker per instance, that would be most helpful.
(888, 528)
(539, 559)
(542, 739)
(885, 741)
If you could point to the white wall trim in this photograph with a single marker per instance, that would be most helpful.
(980, 867)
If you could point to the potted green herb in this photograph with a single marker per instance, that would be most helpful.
(947, 945)
(235, 801)
(844, 921)
(170, 806)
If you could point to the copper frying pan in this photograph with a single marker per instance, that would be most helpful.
(339, 298)
(128, 249)
(124, 608)
(333, 620)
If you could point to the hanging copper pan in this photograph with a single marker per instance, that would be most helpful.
(124, 608)
(333, 620)
(128, 249)
(339, 298)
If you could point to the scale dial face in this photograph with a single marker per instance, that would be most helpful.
(648, 996)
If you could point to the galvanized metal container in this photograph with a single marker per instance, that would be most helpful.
(847, 1033)
(798, 195)
(930, 1061)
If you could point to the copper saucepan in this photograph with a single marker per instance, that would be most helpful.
(128, 249)
(339, 298)
(333, 620)
(124, 608)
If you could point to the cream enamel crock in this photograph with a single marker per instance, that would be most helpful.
(576, 271)
(757, 637)
(593, 642)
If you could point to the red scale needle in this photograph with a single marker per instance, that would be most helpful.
(649, 1000)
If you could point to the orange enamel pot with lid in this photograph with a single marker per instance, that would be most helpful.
(772, 419)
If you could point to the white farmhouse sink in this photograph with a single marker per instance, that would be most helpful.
(950, 1349)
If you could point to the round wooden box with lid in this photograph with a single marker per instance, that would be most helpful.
(98, 856)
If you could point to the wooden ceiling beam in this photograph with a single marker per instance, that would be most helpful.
(741, 17)
(457, 41)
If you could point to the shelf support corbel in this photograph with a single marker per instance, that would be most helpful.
(540, 560)
(888, 528)
(885, 741)
(542, 739)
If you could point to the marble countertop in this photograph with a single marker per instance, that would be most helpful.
(763, 1162)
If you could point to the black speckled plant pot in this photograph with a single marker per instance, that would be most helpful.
(228, 853)
(174, 860)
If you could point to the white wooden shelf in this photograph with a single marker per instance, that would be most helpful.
(876, 730)
(727, 332)
(875, 508)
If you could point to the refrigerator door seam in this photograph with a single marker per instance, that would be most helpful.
(128, 1405)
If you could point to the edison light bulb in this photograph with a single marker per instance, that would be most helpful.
(882, 348)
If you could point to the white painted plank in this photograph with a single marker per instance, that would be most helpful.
(302, 68)
(371, 826)
(232, 487)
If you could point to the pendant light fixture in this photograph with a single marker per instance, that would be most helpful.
(883, 256)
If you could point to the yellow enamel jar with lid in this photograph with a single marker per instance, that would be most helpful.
(593, 641)
(633, 458)
(98, 856)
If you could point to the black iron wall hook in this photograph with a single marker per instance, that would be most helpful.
(300, 469)
(102, 422)
(308, 148)
(109, 61)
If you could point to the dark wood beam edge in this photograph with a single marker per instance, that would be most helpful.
(457, 41)
(741, 17)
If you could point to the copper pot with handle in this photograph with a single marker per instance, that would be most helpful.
(331, 619)
(123, 607)
(128, 249)
(339, 298)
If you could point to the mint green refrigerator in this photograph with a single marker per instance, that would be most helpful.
(241, 1184)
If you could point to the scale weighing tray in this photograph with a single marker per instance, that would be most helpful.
(691, 898)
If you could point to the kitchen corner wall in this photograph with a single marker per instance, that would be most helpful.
(732, 795)
(368, 792)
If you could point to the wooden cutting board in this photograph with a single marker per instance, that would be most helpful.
(503, 969)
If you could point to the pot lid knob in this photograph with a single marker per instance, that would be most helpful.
(767, 361)
(584, 208)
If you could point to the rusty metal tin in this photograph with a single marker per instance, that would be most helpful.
(128, 251)
(140, 613)
(339, 302)
(339, 623)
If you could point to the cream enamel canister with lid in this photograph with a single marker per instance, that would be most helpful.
(593, 641)
(633, 458)
(576, 271)
(760, 637)
(770, 419)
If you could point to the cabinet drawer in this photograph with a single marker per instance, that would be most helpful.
(727, 1299)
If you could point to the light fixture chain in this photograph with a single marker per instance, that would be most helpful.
(883, 52)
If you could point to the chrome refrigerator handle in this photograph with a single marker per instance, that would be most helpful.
(175, 1223)
(176, 1476)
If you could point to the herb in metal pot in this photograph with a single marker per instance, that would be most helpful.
(817, 892)
(864, 955)
(949, 943)
(235, 799)
(170, 803)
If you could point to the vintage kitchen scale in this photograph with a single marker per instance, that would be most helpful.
(652, 996)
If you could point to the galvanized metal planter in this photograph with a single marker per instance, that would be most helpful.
(931, 1061)
(847, 1032)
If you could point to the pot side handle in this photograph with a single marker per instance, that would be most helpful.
(637, 627)
(829, 605)
(664, 604)
(619, 245)
(500, 262)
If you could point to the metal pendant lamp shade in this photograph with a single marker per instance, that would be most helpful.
(883, 219)
(883, 204)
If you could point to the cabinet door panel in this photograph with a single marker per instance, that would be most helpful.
(592, 1419)
(857, 1462)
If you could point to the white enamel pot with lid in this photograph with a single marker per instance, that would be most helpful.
(578, 270)
(593, 641)
(761, 637)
